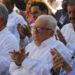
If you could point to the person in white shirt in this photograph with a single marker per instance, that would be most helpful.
(8, 42)
(68, 30)
(14, 18)
(39, 59)
(25, 36)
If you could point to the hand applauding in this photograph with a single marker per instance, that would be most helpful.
(18, 57)
(59, 61)
(60, 37)
(23, 31)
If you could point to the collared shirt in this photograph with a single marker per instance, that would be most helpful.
(13, 20)
(39, 61)
(69, 34)
(8, 43)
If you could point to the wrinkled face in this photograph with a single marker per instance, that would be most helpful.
(71, 13)
(35, 12)
(40, 31)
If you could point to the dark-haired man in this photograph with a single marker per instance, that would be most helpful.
(37, 9)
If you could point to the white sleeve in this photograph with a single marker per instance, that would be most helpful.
(13, 67)
(71, 47)
(21, 20)
(37, 67)
(31, 68)
(65, 33)
(64, 51)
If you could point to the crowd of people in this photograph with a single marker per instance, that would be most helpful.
(36, 41)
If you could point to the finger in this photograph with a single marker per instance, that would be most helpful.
(26, 54)
(57, 53)
(58, 32)
(57, 63)
(12, 52)
(56, 58)
(55, 50)
(18, 25)
(57, 67)
(22, 51)
(52, 51)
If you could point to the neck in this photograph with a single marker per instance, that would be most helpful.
(37, 43)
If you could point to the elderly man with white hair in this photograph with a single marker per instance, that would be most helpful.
(8, 41)
(39, 60)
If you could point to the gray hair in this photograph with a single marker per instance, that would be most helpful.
(3, 12)
(50, 20)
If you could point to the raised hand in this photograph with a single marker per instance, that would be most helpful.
(57, 60)
(18, 57)
(23, 31)
(60, 36)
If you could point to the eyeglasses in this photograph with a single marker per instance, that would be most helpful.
(39, 30)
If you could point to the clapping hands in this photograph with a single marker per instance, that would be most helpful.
(57, 60)
(60, 37)
(19, 56)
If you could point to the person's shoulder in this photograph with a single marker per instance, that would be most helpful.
(20, 19)
(10, 36)
(68, 25)
(18, 15)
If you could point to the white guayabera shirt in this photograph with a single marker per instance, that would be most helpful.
(13, 20)
(69, 34)
(39, 61)
(8, 43)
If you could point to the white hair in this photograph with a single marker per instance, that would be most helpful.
(3, 12)
(50, 20)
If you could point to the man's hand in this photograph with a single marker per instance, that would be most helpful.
(18, 57)
(57, 60)
(23, 31)
(60, 37)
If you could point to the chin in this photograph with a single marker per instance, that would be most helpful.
(37, 42)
